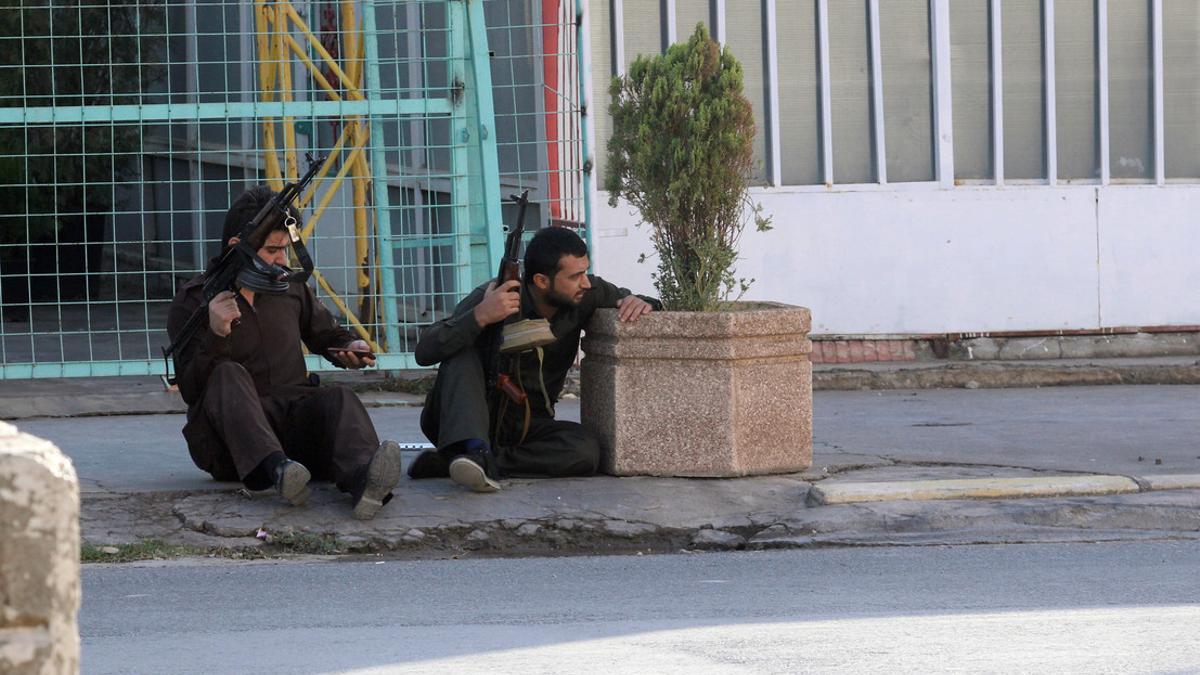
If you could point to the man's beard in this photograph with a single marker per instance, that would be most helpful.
(560, 301)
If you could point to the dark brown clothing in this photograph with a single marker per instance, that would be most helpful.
(457, 408)
(266, 340)
(249, 393)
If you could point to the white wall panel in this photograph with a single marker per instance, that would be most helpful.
(1148, 250)
(961, 260)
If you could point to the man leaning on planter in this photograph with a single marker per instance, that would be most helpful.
(481, 435)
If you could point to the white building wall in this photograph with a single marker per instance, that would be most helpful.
(966, 259)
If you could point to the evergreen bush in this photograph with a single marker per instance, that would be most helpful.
(682, 152)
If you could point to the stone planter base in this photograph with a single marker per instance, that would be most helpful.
(715, 394)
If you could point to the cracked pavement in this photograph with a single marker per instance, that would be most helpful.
(137, 482)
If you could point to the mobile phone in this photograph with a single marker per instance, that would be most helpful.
(360, 353)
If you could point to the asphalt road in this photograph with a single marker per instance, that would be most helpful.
(1034, 608)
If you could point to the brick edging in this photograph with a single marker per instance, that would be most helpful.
(863, 351)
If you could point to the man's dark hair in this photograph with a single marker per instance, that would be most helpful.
(547, 248)
(243, 210)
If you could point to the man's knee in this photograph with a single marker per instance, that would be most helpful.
(229, 384)
(456, 406)
(230, 373)
(338, 397)
(463, 369)
(336, 405)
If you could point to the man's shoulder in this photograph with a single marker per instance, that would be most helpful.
(191, 287)
(300, 289)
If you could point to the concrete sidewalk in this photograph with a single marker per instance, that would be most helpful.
(1050, 464)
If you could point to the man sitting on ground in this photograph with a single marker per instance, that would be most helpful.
(254, 412)
(477, 442)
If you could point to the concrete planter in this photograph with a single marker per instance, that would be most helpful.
(714, 394)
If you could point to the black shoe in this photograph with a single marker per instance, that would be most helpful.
(471, 471)
(291, 482)
(429, 464)
(380, 476)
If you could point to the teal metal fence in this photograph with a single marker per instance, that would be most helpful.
(126, 129)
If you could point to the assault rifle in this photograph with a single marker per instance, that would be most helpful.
(240, 265)
(510, 270)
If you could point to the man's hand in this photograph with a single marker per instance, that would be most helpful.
(631, 308)
(355, 355)
(499, 303)
(222, 312)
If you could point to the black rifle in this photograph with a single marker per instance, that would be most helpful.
(510, 269)
(223, 274)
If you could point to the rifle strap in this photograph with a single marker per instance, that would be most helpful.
(541, 355)
(528, 412)
(500, 419)
(306, 262)
(542, 380)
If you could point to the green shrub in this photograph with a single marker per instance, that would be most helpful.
(682, 152)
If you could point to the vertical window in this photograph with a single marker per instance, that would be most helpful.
(218, 70)
(1024, 102)
(1181, 87)
(688, 13)
(743, 29)
(971, 87)
(602, 72)
(799, 92)
(1076, 89)
(1130, 90)
(642, 25)
(907, 89)
(850, 84)
(218, 37)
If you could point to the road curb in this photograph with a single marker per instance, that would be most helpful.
(146, 403)
(93, 405)
(392, 400)
(1173, 481)
(449, 523)
(824, 494)
(998, 375)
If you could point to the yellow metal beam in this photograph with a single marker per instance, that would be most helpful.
(316, 216)
(266, 78)
(330, 160)
(316, 72)
(275, 20)
(350, 315)
(285, 93)
(319, 48)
